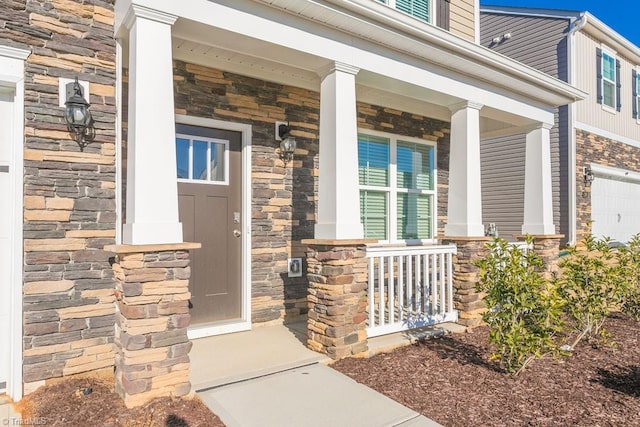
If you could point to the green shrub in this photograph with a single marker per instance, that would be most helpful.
(524, 310)
(630, 259)
(593, 281)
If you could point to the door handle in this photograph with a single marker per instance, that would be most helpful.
(237, 233)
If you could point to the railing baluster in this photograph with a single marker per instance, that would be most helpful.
(450, 282)
(401, 302)
(427, 285)
(380, 291)
(391, 290)
(410, 301)
(442, 284)
(434, 285)
(372, 292)
(419, 283)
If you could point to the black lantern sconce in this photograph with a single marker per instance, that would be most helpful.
(78, 116)
(588, 177)
(287, 142)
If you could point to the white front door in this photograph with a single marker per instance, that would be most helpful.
(615, 208)
(6, 219)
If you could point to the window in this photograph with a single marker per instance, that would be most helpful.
(609, 80)
(397, 187)
(201, 159)
(420, 9)
(609, 85)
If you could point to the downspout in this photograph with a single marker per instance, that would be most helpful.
(578, 25)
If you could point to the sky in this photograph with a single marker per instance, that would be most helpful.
(621, 15)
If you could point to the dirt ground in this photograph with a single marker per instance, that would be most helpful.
(66, 404)
(452, 381)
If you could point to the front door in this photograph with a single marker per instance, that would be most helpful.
(6, 217)
(209, 170)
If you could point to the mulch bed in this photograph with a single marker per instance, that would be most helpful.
(65, 404)
(452, 381)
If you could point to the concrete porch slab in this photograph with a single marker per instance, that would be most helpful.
(7, 415)
(310, 396)
(230, 358)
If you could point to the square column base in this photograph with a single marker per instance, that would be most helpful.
(139, 233)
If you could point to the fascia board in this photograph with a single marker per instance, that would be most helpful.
(610, 37)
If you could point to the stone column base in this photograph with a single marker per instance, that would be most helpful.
(466, 299)
(337, 298)
(548, 248)
(152, 316)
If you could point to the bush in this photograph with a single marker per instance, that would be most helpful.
(524, 310)
(594, 280)
(630, 259)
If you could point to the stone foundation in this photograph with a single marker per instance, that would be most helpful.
(152, 316)
(337, 317)
(466, 299)
(548, 248)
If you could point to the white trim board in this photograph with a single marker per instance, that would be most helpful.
(244, 324)
(615, 173)
(12, 66)
(607, 134)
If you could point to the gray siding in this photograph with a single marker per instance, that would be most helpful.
(539, 43)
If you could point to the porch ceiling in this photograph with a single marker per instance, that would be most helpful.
(246, 56)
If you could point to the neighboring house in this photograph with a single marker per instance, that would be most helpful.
(188, 97)
(595, 142)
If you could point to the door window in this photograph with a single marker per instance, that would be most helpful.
(202, 160)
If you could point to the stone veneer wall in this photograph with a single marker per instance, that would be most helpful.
(284, 198)
(152, 317)
(69, 196)
(592, 148)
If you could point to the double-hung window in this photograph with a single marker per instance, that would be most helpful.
(421, 9)
(635, 86)
(397, 187)
(608, 80)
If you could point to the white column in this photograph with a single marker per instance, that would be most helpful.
(338, 193)
(464, 211)
(538, 199)
(152, 191)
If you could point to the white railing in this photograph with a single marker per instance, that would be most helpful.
(524, 246)
(409, 287)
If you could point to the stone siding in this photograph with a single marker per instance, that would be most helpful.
(592, 148)
(69, 199)
(284, 198)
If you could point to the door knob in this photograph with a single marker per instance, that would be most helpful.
(237, 233)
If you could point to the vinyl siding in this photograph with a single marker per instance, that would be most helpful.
(539, 43)
(589, 111)
(462, 19)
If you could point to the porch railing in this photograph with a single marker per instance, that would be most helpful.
(409, 287)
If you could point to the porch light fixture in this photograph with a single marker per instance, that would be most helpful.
(78, 116)
(287, 142)
(587, 175)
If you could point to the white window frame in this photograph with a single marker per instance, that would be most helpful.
(210, 141)
(392, 189)
(432, 10)
(637, 100)
(612, 54)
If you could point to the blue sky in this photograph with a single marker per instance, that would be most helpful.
(621, 15)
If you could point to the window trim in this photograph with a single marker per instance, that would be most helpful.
(391, 190)
(210, 141)
(432, 10)
(611, 54)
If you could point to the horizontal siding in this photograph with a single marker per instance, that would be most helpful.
(534, 41)
(462, 19)
(502, 166)
(589, 111)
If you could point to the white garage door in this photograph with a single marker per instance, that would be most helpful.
(6, 193)
(615, 206)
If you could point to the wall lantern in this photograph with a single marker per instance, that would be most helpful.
(78, 116)
(587, 175)
(287, 142)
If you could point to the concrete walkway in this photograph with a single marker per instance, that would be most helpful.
(8, 417)
(309, 396)
(267, 377)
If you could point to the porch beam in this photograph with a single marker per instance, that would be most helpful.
(538, 196)
(338, 194)
(152, 190)
(464, 199)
